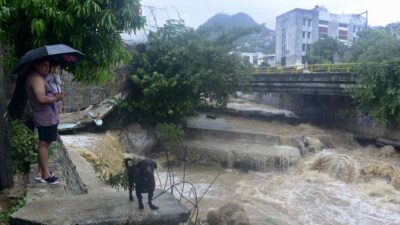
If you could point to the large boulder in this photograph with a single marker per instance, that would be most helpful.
(214, 217)
(234, 214)
(340, 166)
(313, 144)
(238, 218)
(138, 140)
(388, 151)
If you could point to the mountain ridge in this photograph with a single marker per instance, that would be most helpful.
(238, 19)
(262, 41)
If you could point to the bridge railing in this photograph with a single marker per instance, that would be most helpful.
(312, 68)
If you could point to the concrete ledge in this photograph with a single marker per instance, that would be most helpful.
(61, 164)
(68, 204)
(109, 208)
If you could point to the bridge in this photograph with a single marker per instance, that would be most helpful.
(320, 79)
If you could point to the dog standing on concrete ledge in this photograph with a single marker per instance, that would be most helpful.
(142, 175)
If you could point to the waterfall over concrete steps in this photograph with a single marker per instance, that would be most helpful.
(224, 142)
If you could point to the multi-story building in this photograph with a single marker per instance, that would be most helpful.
(259, 58)
(298, 28)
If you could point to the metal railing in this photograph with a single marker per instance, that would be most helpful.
(312, 68)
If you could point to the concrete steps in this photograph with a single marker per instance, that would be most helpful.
(233, 143)
(108, 208)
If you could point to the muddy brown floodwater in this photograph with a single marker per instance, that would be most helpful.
(346, 184)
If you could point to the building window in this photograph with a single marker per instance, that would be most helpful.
(303, 47)
(323, 30)
(342, 34)
(343, 25)
(283, 61)
(323, 22)
(304, 21)
(255, 60)
(309, 35)
(304, 34)
(309, 22)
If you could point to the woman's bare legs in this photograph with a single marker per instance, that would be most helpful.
(43, 165)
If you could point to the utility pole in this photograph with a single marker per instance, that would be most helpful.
(366, 17)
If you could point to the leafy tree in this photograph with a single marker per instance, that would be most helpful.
(177, 72)
(325, 50)
(6, 179)
(378, 76)
(374, 45)
(92, 26)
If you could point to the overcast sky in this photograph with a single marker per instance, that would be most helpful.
(196, 12)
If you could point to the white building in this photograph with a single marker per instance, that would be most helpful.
(298, 28)
(259, 58)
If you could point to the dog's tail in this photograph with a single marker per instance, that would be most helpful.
(126, 161)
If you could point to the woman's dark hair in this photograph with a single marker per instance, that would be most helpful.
(54, 62)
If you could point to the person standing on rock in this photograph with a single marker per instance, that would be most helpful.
(45, 113)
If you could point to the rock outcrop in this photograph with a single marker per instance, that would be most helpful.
(138, 140)
(229, 214)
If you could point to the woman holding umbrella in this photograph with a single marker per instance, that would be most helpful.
(45, 113)
(43, 99)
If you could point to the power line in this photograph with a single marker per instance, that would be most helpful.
(153, 7)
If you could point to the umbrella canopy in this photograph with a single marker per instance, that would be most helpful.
(62, 54)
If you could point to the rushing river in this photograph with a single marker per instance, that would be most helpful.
(300, 196)
(347, 184)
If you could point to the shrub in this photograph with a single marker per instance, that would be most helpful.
(5, 214)
(24, 145)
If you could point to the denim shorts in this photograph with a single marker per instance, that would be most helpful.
(48, 133)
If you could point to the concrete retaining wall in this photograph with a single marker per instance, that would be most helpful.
(327, 111)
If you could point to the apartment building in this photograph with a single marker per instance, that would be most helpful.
(298, 28)
(259, 58)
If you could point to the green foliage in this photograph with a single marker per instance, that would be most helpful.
(118, 181)
(262, 41)
(324, 51)
(253, 37)
(378, 90)
(170, 134)
(178, 70)
(171, 137)
(375, 45)
(24, 146)
(92, 26)
(378, 76)
(6, 214)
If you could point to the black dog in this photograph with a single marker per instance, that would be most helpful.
(142, 176)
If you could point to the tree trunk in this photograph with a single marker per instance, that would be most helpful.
(19, 99)
(6, 179)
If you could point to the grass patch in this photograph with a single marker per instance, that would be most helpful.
(6, 214)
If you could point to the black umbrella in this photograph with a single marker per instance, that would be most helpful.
(62, 54)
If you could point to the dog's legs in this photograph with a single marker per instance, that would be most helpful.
(130, 181)
(150, 199)
(139, 197)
